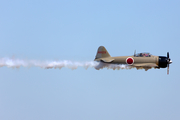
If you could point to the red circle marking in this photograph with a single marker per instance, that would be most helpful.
(129, 60)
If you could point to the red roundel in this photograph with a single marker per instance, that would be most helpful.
(129, 60)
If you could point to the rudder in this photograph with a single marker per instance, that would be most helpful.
(102, 53)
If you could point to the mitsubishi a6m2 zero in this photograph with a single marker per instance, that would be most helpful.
(141, 60)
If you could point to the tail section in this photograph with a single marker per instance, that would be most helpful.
(102, 53)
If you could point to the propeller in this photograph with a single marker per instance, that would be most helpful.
(168, 55)
(168, 69)
(168, 62)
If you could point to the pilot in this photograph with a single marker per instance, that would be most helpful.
(140, 55)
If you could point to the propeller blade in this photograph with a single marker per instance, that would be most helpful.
(168, 69)
(168, 55)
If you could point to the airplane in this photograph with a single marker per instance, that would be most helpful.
(140, 60)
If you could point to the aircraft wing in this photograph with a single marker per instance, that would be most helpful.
(145, 65)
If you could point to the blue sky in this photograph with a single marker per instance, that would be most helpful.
(73, 30)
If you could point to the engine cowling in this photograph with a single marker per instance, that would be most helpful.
(163, 61)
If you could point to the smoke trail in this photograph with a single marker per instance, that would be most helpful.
(111, 66)
(16, 63)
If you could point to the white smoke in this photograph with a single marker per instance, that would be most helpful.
(102, 65)
(16, 63)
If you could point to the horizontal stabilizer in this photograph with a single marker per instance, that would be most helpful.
(108, 60)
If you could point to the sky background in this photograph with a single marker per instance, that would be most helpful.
(73, 30)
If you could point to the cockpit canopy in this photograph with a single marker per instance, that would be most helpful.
(143, 55)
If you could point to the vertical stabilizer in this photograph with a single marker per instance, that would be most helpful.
(102, 53)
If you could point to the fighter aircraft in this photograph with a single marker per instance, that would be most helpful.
(140, 60)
